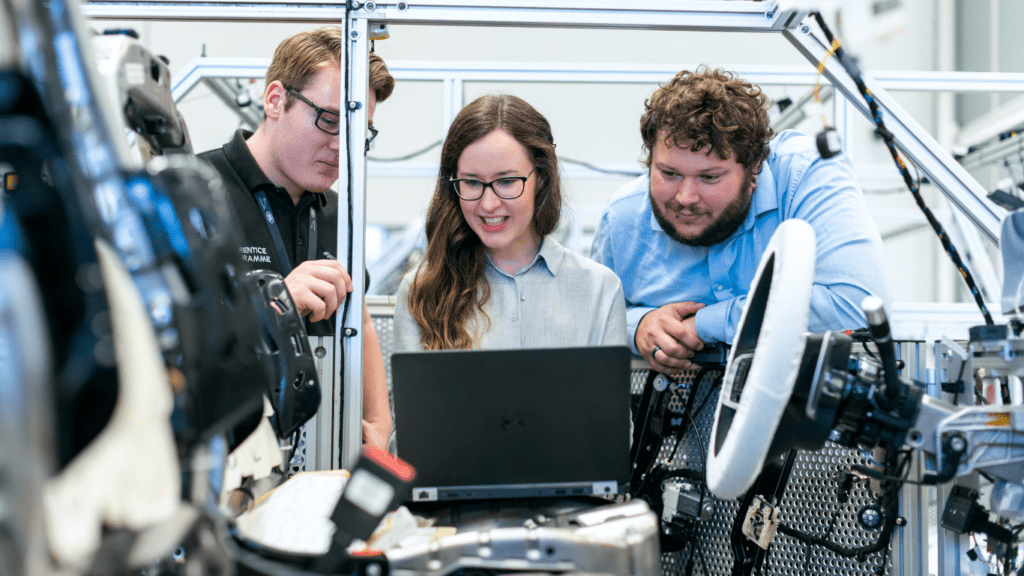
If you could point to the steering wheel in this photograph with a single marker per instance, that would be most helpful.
(764, 361)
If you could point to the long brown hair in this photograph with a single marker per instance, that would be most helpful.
(449, 287)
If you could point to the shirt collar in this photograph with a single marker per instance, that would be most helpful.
(551, 253)
(250, 172)
(764, 200)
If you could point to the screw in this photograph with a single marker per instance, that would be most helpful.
(870, 518)
(957, 443)
(769, 14)
(403, 6)
(355, 5)
(370, 6)
(901, 521)
(353, 34)
(805, 29)
(709, 510)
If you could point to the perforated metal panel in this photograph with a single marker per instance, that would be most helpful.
(809, 504)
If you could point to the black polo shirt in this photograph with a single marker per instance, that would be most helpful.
(242, 178)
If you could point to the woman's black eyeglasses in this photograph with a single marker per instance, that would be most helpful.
(506, 187)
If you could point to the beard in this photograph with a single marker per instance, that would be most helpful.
(731, 218)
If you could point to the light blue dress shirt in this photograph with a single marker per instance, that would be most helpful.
(558, 300)
(795, 182)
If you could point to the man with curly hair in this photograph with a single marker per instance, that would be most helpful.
(686, 238)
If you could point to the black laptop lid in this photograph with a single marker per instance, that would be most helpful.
(506, 417)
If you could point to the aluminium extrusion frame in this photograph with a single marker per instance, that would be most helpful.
(709, 15)
(453, 76)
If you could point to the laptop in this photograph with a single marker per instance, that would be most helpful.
(484, 424)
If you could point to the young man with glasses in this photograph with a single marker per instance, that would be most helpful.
(279, 180)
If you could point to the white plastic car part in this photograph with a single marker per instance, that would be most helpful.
(764, 360)
(257, 457)
(128, 476)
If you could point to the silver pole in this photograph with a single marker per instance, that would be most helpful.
(352, 177)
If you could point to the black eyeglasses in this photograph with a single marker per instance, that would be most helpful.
(506, 187)
(373, 134)
(326, 120)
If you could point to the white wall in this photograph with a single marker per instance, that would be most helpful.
(594, 123)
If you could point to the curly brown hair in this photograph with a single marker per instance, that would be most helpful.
(711, 110)
(449, 288)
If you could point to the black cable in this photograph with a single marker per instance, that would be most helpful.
(889, 503)
(703, 562)
(409, 156)
(889, 139)
(828, 531)
(697, 379)
(714, 385)
(345, 43)
(703, 483)
(650, 473)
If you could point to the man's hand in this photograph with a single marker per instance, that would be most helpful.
(667, 337)
(318, 287)
(373, 435)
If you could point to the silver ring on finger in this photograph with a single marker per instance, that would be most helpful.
(655, 352)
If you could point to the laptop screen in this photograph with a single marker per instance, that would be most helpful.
(509, 420)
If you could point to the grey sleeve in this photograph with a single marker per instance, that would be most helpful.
(610, 315)
(407, 331)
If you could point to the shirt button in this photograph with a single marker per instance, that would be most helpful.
(513, 318)
(522, 296)
(300, 241)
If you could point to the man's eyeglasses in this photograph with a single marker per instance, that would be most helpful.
(373, 134)
(326, 120)
(506, 187)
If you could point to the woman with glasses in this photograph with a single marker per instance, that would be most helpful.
(492, 276)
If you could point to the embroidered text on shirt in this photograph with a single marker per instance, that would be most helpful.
(254, 254)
